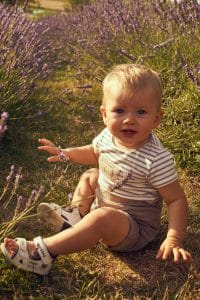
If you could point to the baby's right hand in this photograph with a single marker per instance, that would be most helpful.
(50, 148)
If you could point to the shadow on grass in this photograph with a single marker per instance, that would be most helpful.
(158, 279)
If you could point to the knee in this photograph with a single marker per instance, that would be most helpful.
(90, 176)
(104, 214)
(112, 225)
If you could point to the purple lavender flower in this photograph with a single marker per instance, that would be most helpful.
(91, 108)
(191, 72)
(19, 204)
(31, 199)
(4, 115)
(10, 177)
(3, 125)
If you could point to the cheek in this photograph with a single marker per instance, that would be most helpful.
(113, 123)
(114, 120)
(146, 124)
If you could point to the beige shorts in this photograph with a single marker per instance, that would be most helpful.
(144, 220)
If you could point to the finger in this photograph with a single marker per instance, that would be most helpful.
(176, 254)
(46, 142)
(53, 158)
(185, 255)
(50, 149)
(159, 254)
(166, 253)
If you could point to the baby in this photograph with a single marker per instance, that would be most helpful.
(120, 203)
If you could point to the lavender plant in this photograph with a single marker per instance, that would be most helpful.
(25, 57)
(108, 32)
(105, 21)
(14, 207)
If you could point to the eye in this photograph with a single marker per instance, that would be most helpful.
(119, 110)
(141, 112)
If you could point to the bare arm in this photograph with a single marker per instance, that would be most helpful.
(82, 155)
(175, 200)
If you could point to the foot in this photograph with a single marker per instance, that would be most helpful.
(30, 256)
(58, 218)
(12, 247)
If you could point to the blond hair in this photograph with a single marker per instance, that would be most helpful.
(132, 77)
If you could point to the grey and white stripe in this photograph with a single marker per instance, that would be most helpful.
(134, 174)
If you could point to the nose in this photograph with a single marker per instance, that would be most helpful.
(129, 118)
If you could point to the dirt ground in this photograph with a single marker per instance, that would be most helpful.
(50, 4)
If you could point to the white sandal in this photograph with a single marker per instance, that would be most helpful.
(22, 259)
(56, 217)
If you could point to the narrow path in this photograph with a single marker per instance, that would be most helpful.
(50, 4)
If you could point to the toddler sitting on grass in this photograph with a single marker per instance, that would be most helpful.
(120, 202)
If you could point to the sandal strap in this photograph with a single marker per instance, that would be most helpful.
(42, 250)
(22, 249)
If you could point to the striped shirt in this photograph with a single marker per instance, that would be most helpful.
(133, 174)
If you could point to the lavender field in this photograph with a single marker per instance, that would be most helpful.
(51, 69)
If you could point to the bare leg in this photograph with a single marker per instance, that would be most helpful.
(85, 191)
(59, 219)
(104, 224)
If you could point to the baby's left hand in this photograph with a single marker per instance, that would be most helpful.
(171, 246)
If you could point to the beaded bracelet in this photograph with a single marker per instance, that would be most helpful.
(62, 156)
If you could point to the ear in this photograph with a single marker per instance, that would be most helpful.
(103, 113)
(158, 118)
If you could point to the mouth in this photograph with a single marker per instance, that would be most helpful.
(129, 132)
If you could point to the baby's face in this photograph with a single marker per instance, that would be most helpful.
(130, 117)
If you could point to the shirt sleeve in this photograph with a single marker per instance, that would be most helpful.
(96, 143)
(162, 171)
